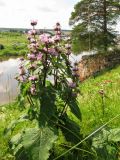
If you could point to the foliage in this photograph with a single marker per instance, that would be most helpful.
(33, 143)
(94, 21)
(106, 144)
(12, 44)
(92, 118)
(48, 57)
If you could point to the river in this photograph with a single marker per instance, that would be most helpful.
(8, 84)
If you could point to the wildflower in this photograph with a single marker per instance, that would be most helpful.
(21, 70)
(32, 40)
(74, 94)
(68, 52)
(57, 27)
(75, 63)
(101, 92)
(31, 57)
(32, 32)
(21, 59)
(67, 46)
(39, 56)
(52, 51)
(44, 38)
(33, 46)
(33, 22)
(75, 69)
(32, 67)
(33, 78)
(75, 74)
(21, 78)
(56, 38)
(72, 84)
(33, 89)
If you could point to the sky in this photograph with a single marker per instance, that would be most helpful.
(19, 13)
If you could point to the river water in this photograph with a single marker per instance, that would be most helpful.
(8, 84)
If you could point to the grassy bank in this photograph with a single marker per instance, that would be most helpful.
(14, 44)
(98, 108)
(99, 101)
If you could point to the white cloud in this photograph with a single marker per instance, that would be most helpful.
(2, 4)
(18, 13)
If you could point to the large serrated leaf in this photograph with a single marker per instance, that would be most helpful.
(13, 123)
(38, 142)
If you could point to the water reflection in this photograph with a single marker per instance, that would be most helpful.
(8, 85)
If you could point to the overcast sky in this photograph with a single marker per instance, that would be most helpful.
(18, 13)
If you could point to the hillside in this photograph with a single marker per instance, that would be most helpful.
(96, 110)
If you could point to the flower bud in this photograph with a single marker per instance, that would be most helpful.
(31, 57)
(75, 69)
(75, 74)
(21, 59)
(21, 70)
(72, 85)
(32, 32)
(33, 89)
(68, 46)
(33, 22)
(32, 67)
(33, 78)
(39, 56)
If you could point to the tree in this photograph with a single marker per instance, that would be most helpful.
(95, 20)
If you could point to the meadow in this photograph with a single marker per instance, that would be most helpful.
(95, 110)
(14, 43)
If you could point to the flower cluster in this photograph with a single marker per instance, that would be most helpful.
(46, 57)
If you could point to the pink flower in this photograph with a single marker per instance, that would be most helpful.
(32, 40)
(44, 38)
(33, 89)
(21, 79)
(72, 84)
(33, 78)
(75, 74)
(33, 46)
(68, 52)
(39, 56)
(32, 32)
(56, 38)
(33, 22)
(57, 27)
(31, 56)
(33, 66)
(21, 59)
(21, 70)
(75, 69)
(52, 51)
(67, 46)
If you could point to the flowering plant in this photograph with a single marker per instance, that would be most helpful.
(50, 84)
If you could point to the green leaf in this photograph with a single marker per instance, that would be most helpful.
(114, 135)
(75, 109)
(36, 143)
(104, 144)
(70, 130)
(13, 123)
(48, 106)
